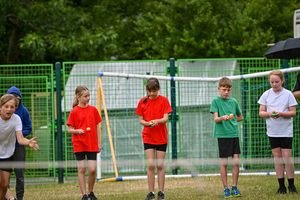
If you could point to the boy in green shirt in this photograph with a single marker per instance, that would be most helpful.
(227, 114)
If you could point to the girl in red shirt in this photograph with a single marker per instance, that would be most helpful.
(153, 111)
(84, 125)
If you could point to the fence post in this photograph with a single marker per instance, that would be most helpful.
(174, 114)
(59, 122)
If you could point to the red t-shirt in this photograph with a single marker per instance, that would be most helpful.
(86, 119)
(151, 109)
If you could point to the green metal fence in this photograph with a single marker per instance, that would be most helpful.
(36, 85)
(194, 123)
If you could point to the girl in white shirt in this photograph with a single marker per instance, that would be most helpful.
(278, 107)
(10, 130)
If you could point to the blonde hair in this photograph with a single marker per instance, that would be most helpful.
(225, 82)
(78, 93)
(7, 97)
(279, 74)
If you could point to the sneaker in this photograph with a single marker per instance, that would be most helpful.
(92, 196)
(227, 193)
(150, 196)
(281, 190)
(160, 196)
(235, 191)
(85, 197)
(292, 189)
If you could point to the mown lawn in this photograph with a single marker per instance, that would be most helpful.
(252, 187)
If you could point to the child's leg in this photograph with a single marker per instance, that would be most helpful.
(289, 168)
(150, 154)
(278, 162)
(223, 171)
(4, 182)
(160, 156)
(92, 165)
(9, 194)
(288, 161)
(235, 169)
(81, 175)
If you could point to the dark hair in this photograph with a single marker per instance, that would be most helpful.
(152, 84)
(225, 82)
(78, 93)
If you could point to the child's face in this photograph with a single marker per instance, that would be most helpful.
(224, 92)
(275, 82)
(8, 109)
(84, 98)
(152, 94)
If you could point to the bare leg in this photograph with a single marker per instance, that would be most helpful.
(150, 154)
(278, 162)
(223, 171)
(235, 169)
(81, 176)
(4, 182)
(288, 161)
(92, 165)
(160, 156)
(9, 195)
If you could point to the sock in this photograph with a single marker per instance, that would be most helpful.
(291, 181)
(281, 182)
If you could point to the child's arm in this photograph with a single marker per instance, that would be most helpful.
(143, 122)
(263, 112)
(162, 120)
(28, 142)
(290, 113)
(72, 130)
(99, 137)
(222, 118)
(239, 118)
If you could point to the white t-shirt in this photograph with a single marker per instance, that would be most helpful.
(8, 136)
(279, 102)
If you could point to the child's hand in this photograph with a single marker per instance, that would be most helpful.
(274, 115)
(80, 131)
(231, 116)
(33, 144)
(225, 117)
(153, 123)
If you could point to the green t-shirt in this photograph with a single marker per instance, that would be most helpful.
(226, 129)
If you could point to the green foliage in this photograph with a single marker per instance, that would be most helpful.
(78, 30)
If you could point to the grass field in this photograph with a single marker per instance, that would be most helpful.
(252, 187)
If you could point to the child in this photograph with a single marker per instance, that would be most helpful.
(84, 125)
(10, 131)
(296, 90)
(20, 151)
(227, 113)
(153, 111)
(278, 107)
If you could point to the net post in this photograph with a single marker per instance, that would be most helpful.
(172, 71)
(59, 121)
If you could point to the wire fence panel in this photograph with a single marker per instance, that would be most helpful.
(36, 85)
(196, 148)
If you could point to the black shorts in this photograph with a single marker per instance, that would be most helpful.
(281, 142)
(228, 147)
(2, 162)
(159, 147)
(88, 155)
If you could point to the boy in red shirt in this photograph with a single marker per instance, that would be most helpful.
(153, 111)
